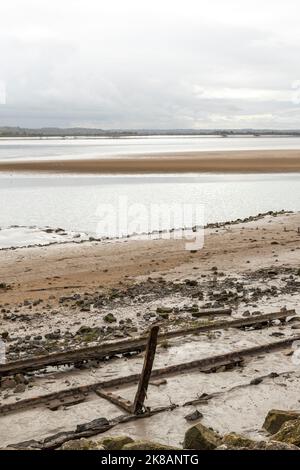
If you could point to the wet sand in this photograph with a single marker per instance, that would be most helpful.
(249, 266)
(213, 161)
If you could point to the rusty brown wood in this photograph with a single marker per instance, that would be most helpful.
(115, 399)
(126, 346)
(56, 440)
(202, 365)
(138, 404)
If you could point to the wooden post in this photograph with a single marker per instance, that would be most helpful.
(138, 405)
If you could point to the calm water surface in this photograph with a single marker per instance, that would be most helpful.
(72, 202)
(54, 148)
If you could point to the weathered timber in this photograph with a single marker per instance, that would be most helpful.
(138, 405)
(115, 399)
(213, 311)
(205, 397)
(202, 365)
(97, 426)
(126, 346)
(72, 400)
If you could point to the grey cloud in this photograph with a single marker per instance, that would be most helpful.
(130, 64)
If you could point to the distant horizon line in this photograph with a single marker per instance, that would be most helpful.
(15, 131)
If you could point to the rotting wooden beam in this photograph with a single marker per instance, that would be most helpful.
(207, 312)
(138, 404)
(57, 440)
(202, 365)
(115, 399)
(210, 396)
(72, 400)
(127, 346)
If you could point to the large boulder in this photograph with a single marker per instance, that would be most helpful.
(115, 442)
(276, 418)
(274, 445)
(82, 444)
(261, 445)
(147, 445)
(289, 433)
(200, 437)
(237, 440)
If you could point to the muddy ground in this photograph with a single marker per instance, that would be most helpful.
(64, 297)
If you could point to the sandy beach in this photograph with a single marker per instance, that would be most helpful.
(58, 298)
(213, 161)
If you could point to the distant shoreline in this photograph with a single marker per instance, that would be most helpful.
(233, 161)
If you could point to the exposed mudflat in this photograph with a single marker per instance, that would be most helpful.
(62, 297)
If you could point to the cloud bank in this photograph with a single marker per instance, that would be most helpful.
(158, 64)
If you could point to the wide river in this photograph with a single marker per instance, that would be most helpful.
(54, 148)
(95, 204)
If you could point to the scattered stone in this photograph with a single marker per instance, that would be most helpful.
(8, 383)
(194, 416)
(20, 388)
(110, 318)
(256, 381)
(161, 310)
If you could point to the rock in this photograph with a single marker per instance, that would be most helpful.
(276, 418)
(237, 440)
(110, 318)
(147, 445)
(20, 388)
(8, 383)
(164, 316)
(261, 445)
(115, 442)
(20, 379)
(81, 444)
(191, 282)
(274, 445)
(289, 433)
(200, 437)
(246, 313)
(256, 381)
(194, 416)
(161, 310)
(54, 335)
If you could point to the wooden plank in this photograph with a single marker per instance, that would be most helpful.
(87, 430)
(115, 399)
(138, 404)
(66, 401)
(126, 346)
(211, 312)
(202, 365)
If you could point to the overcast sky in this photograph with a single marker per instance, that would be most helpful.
(150, 64)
